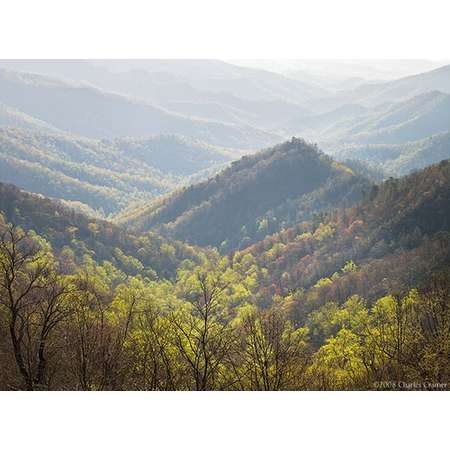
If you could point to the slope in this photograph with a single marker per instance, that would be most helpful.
(255, 196)
(74, 236)
(105, 176)
(174, 86)
(375, 94)
(400, 159)
(416, 118)
(199, 75)
(393, 240)
(90, 112)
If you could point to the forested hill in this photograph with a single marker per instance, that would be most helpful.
(329, 302)
(393, 240)
(401, 159)
(256, 196)
(75, 236)
(106, 176)
(139, 256)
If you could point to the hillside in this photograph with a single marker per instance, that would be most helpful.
(205, 89)
(396, 238)
(94, 113)
(172, 154)
(319, 123)
(74, 236)
(390, 123)
(106, 176)
(14, 118)
(383, 133)
(318, 300)
(408, 87)
(414, 119)
(402, 89)
(193, 77)
(255, 196)
(400, 159)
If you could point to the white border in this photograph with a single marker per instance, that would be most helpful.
(226, 420)
(226, 30)
(230, 29)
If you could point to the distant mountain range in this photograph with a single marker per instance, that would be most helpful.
(388, 125)
(374, 94)
(413, 119)
(404, 88)
(91, 112)
(155, 235)
(166, 123)
(401, 158)
(138, 77)
(207, 89)
(103, 175)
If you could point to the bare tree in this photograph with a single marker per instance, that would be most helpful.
(155, 367)
(33, 297)
(274, 354)
(202, 339)
(96, 347)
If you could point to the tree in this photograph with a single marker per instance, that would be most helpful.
(202, 337)
(33, 299)
(274, 354)
(97, 336)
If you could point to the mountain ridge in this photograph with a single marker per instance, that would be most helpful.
(253, 197)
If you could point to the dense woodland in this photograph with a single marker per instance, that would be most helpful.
(345, 301)
(99, 176)
(148, 243)
(256, 196)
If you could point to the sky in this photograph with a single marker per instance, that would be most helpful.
(366, 69)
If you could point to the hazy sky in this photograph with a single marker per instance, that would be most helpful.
(368, 69)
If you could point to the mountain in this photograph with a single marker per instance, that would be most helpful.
(391, 241)
(400, 159)
(322, 297)
(409, 120)
(204, 75)
(404, 88)
(319, 299)
(319, 123)
(106, 176)
(416, 118)
(14, 118)
(91, 112)
(255, 196)
(266, 114)
(198, 89)
(381, 134)
(177, 155)
(374, 94)
(74, 236)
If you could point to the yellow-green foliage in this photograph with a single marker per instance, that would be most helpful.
(323, 232)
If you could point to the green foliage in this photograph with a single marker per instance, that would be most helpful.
(350, 266)
(147, 254)
(102, 177)
(345, 301)
(208, 328)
